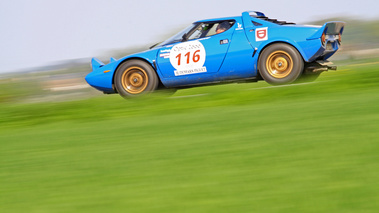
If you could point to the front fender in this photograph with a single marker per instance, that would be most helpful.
(102, 75)
(148, 56)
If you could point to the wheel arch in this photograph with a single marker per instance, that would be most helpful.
(259, 53)
(281, 42)
(140, 59)
(280, 80)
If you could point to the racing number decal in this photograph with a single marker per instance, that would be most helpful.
(196, 57)
(188, 58)
(261, 34)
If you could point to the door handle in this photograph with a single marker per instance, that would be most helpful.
(224, 41)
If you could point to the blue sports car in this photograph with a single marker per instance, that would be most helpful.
(249, 47)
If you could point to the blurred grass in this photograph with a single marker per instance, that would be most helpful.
(226, 148)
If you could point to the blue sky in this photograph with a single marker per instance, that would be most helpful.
(41, 32)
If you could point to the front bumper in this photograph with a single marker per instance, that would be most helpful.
(101, 77)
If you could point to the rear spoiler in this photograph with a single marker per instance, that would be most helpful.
(329, 28)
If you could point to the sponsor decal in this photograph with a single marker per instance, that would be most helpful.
(190, 71)
(164, 55)
(261, 34)
(166, 51)
(188, 58)
(239, 26)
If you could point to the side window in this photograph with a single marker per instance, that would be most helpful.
(197, 33)
(211, 28)
(220, 27)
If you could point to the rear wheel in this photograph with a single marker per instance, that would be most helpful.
(134, 78)
(280, 64)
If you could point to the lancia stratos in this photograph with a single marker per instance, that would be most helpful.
(249, 47)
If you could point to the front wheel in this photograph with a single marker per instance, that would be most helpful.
(280, 64)
(134, 78)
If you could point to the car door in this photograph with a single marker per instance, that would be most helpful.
(198, 59)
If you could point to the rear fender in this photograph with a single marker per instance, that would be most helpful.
(292, 43)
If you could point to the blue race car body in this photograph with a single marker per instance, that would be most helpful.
(199, 55)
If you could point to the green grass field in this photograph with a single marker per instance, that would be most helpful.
(225, 148)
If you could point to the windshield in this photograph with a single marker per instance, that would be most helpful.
(178, 37)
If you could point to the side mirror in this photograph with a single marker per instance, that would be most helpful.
(184, 37)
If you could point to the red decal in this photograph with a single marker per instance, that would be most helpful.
(261, 34)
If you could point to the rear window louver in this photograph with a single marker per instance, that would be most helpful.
(275, 21)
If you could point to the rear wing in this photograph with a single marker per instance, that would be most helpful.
(329, 28)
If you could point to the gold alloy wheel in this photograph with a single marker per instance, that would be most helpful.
(134, 80)
(279, 64)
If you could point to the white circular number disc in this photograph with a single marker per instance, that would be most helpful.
(188, 55)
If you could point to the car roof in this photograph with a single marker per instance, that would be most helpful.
(218, 19)
(255, 14)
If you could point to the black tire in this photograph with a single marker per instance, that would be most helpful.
(134, 78)
(280, 64)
